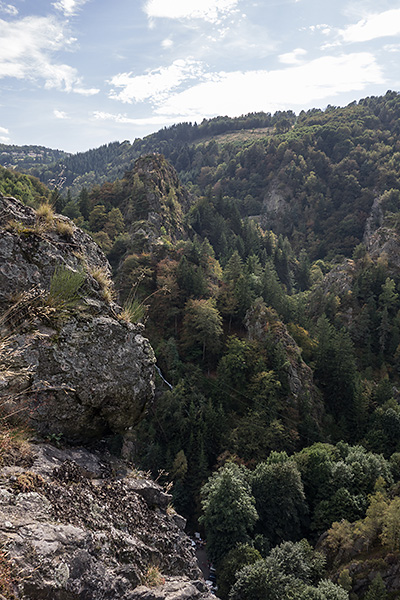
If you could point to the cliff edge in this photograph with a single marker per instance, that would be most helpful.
(71, 363)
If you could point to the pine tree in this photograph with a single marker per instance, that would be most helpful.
(376, 590)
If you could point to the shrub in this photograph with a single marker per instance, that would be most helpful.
(133, 311)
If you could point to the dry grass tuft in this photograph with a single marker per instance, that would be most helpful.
(104, 280)
(26, 308)
(153, 577)
(28, 482)
(45, 212)
(39, 228)
(14, 448)
(133, 311)
(63, 228)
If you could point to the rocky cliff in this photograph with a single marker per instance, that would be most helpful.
(262, 321)
(77, 525)
(154, 203)
(70, 363)
(74, 524)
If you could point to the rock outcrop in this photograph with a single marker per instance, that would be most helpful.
(381, 237)
(384, 244)
(71, 367)
(155, 203)
(78, 525)
(262, 321)
(362, 560)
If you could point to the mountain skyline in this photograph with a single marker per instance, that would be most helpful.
(80, 73)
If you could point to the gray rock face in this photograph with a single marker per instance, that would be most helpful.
(164, 201)
(178, 589)
(30, 249)
(80, 374)
(76, 533)
(107, 368)
(385, 243)
(380, 239)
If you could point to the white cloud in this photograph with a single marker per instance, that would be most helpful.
(294, 57)
(60, 114)
(157, 84)
(238, 92)
(26, 52)
(69, 7)
(85, 91)
(167, 43)
(4, 135)
(323, 27)
(8, 9)
(123, 118)
(392, 48)
(209, 10)
(373, 26)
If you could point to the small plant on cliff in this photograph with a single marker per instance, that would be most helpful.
(45, 212)
(104, 280)
(153, 577)
(28, 482)
(63, 228)
(38, 228)
(64, 287)
(133, 311)
(7, 577)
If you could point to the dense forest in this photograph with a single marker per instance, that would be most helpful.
(262, 256)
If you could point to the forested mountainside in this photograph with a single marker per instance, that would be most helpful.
(112, 160)
(25, 157)
(312, 178)
(267, 273)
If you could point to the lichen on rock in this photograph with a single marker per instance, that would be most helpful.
(81, 532)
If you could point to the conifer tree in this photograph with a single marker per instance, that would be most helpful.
(376, 590)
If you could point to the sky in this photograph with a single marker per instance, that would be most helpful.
(75, 74)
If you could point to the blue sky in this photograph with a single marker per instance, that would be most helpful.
(76, 74)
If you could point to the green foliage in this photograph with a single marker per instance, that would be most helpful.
(64, 287)
(23, 187)
(246, 304)
(377, 531)
(229, 514)
(260, 581)
(202, 328)
(233, 561)
(290, 571)
(280, 500)
(391, 525)
(326, 590)
(376, 590)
